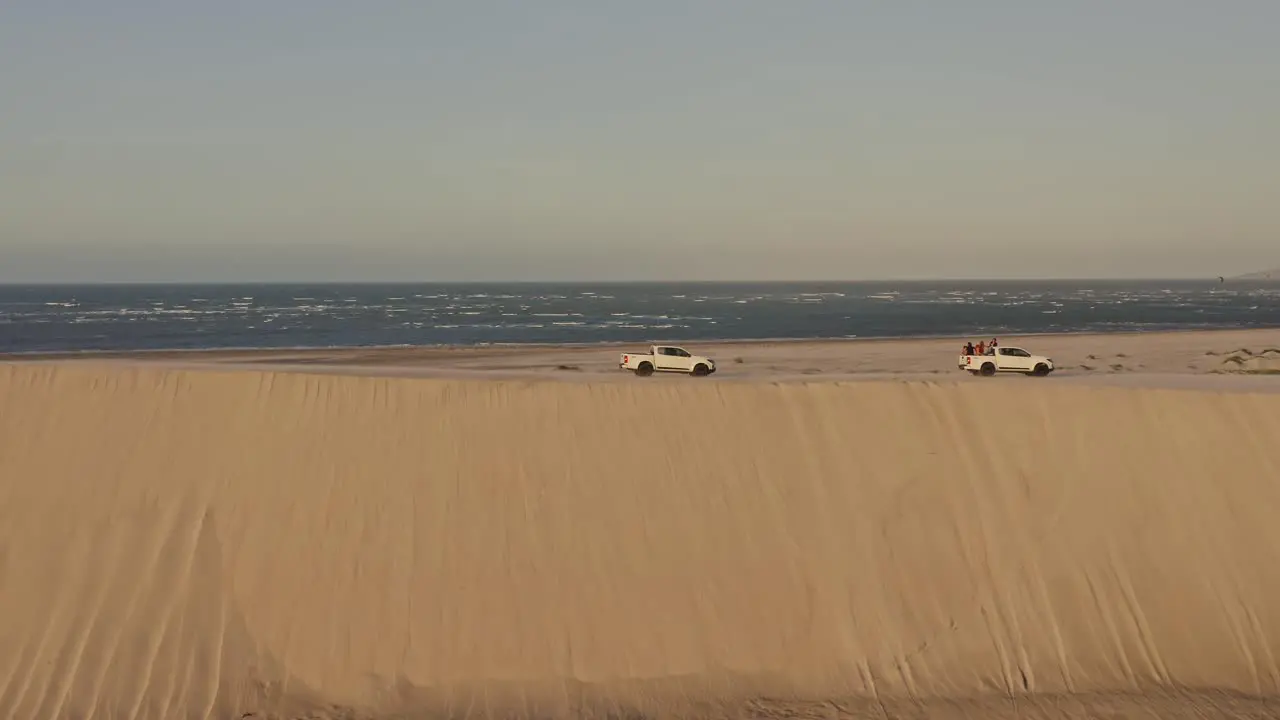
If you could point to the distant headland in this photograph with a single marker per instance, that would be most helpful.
(1273, 274)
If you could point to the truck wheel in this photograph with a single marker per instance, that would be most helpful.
(988, 369)
(699, 370)
(645, 369)
(1041, 370)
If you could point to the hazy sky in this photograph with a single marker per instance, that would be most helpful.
(591, 139)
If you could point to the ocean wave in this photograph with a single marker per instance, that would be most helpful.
(115, 317)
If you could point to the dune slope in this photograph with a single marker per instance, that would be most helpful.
(192, 544)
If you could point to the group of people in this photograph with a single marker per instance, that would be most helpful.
(983, 348)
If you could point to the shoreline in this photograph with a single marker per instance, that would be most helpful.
(1223, 360)
(142, 353)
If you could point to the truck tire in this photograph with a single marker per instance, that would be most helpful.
(645, 369)
(700, 370)
(988, 369)
(1041, 370)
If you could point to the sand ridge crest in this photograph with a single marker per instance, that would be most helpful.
(183, 543)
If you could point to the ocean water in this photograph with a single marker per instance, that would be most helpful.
(39, 318)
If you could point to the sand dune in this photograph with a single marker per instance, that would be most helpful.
(219, 544)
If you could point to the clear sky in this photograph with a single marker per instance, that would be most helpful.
(601, 140)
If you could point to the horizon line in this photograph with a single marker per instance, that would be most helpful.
(744, 281)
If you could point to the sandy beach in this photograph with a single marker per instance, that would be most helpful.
(1228, 359)
(822, 530)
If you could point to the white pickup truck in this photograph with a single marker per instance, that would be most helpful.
(666, 358)
(1007, 360)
